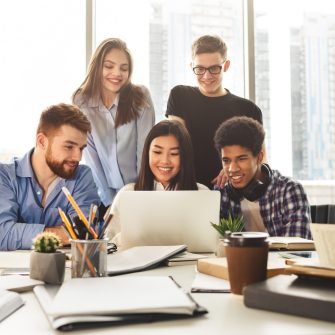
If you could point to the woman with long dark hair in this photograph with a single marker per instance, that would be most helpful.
(167, 164)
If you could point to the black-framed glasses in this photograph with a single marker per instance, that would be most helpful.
(214, 69)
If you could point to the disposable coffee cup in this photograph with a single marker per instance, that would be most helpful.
(89, 258)
(247, 256)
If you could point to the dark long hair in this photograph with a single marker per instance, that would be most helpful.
(132, 97)
(185, 179)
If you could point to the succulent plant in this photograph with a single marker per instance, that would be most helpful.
(46, 242)
(231, 224)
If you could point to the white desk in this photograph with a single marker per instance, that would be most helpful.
(227, 315)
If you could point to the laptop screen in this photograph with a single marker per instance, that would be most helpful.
(170, 218)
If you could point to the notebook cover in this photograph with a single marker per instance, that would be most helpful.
(46, 295)
(289, 294)
(140, 258)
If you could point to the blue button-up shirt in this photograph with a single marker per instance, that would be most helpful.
(114, 154)
(22, 216)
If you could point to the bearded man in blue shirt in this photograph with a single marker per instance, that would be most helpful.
(268, 201)
(31, 187)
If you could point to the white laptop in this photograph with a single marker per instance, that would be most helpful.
(170, 218)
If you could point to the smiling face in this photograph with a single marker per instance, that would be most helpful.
(210, 84)
(115, 72)
(64, 150)
(240, 165)
(164, 158)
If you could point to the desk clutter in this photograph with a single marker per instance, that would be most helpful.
(293, 285)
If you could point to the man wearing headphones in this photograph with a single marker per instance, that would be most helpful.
(268, 201)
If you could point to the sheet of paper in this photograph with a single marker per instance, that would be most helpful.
(324, 239)
(207, 283)
(14, 259)
(18, 283)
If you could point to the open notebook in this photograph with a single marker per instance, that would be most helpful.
(170, 218)
(95, 302)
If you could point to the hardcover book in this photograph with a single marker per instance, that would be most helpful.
(307, 297)
(218, 267)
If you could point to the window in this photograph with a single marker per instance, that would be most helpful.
(43, 60)
(295, 84)
(160, 33)
(42, 63)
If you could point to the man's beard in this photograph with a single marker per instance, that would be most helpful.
(58, 168)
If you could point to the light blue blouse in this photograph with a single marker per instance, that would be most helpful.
(114, 154)
(22, 216)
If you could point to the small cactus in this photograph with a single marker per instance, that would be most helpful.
(46, 242)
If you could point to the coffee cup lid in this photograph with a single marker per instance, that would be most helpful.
(246, 238)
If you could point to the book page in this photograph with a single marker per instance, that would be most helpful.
(324, 238)
(207, 283)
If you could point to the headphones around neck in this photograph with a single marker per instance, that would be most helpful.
(254, 190)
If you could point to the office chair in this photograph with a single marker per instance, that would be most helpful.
(323, 213)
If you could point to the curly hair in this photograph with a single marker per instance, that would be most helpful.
(241, 130)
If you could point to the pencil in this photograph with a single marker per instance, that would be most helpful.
(67, 224)
(79, 212)
(74, 237)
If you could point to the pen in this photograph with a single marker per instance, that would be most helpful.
(107, 213)
(104, 226)
(93, 212)
(79, 212)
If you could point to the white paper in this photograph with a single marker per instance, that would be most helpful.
(17, 259)
(324, 239)
(207, 283)
(18, 283)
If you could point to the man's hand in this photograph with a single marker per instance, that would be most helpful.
(60, 232)
(220, 179)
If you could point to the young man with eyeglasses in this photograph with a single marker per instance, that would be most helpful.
(202, 109)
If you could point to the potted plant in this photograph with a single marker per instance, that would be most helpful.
(47, 263)
(230, 224)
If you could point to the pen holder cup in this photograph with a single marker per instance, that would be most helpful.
(89, 258)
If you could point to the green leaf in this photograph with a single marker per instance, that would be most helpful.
(231, 224)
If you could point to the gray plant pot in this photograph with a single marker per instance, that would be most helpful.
(48, 267)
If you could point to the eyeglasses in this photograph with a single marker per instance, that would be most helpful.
(214, 69)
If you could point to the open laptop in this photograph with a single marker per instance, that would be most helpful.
(170, 218)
